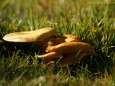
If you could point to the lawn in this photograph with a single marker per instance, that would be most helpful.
(93, 21)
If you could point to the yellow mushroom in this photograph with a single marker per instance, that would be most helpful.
(30, 36)
(71, 38)
(71, 58)
(47, 44)
(59, 40)
(69, 46)
(70, 35)
(72, 47)
(49, 56)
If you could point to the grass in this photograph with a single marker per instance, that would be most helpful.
(91, 20)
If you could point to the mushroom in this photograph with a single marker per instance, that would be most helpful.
(69, 46)
(71, 52)
(71, 58)
(49, 56)
(72, 47)
(71, 38)
(30, 36)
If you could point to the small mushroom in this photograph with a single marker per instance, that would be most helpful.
(30, 36)
(71, 38)
(46, 45)
(72, 47)
(70, 35)
(59, 40)
(49, 56)
(71, 58)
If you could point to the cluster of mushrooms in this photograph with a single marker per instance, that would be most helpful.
(65, 50)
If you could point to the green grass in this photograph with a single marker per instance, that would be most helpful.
(18, 63)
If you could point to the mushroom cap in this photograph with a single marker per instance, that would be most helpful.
(30, 36)
(72, 47)
(49, 56)
(70, 35)
(71, 38)
(71, 58)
